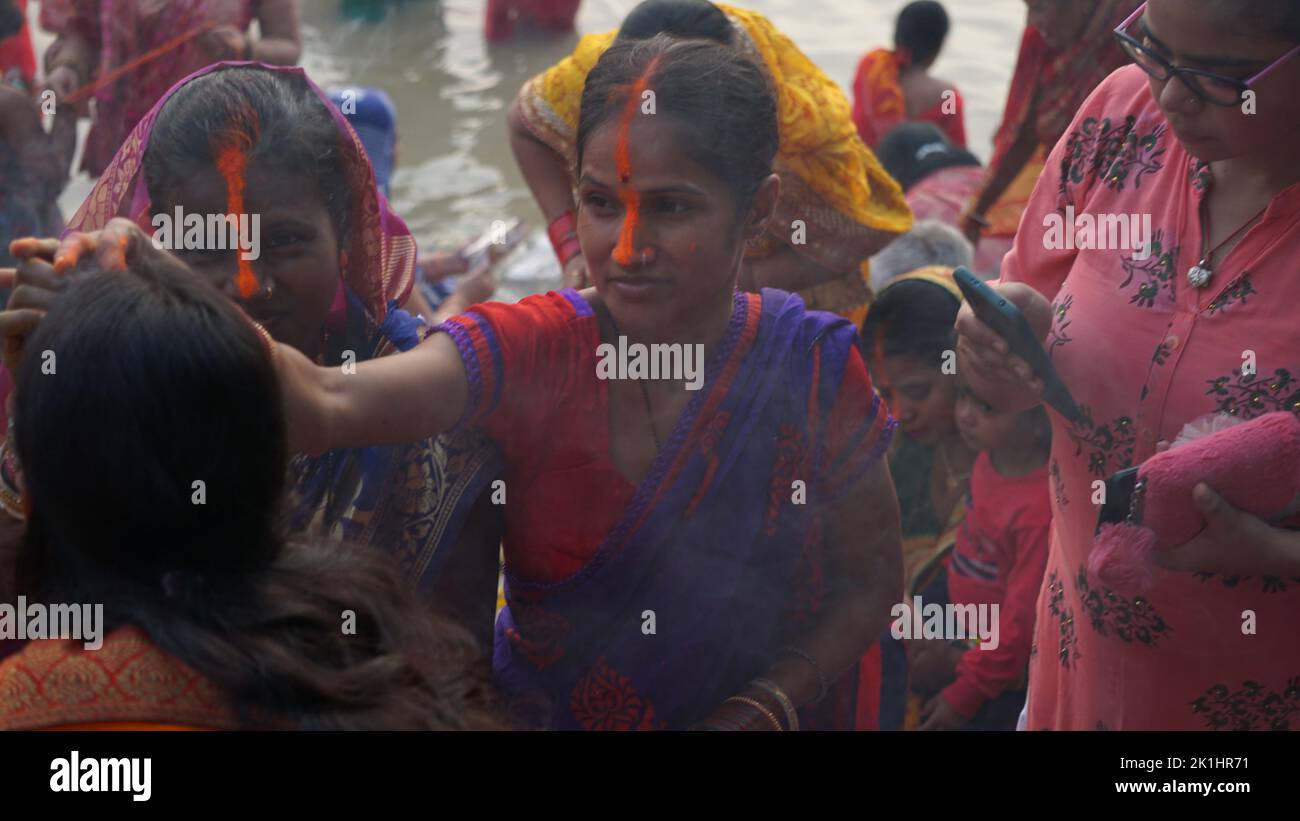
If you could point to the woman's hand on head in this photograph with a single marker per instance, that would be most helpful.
(118, 245)
(44, 265)
(984, 359)
(35, 285)
(1234, 543)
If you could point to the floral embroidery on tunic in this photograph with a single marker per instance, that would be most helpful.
(1112, 152)
(1251, 706)
(1129, 620)
(1068, 651)
(1156, 269)
(1060, 324)
(1110, 443)
(1251, 395)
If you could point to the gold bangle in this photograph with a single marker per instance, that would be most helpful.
(768, 714)
(791, 714)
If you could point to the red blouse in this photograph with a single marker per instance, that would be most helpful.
(534, 389)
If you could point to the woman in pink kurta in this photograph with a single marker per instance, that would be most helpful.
(1144, 352)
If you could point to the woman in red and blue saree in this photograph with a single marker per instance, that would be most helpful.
(333, 267)
(719, 557)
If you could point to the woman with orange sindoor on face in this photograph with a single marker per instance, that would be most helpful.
(630, 496)
(632, 499)
(1149, 339)
(634, 483)
(838, 206)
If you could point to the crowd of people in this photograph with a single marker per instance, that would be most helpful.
(311, 494)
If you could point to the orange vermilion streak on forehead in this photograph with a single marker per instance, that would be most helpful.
(232, 163)
(623, 252)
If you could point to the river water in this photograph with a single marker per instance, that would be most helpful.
(455, 173)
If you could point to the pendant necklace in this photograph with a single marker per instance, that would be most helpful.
(1198, 276)
(645, 393)
(953, 482)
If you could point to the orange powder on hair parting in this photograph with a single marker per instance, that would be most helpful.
(623, 252)
(232, 163)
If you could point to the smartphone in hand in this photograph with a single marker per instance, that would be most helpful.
(1007, 321)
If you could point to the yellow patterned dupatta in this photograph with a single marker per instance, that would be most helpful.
(830, 180)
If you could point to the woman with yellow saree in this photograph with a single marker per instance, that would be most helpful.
(838, 205)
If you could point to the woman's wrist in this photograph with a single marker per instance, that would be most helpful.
(563, 233)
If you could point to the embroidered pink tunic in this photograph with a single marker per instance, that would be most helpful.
(1144, 353)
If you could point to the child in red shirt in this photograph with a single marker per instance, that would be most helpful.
(999, 558)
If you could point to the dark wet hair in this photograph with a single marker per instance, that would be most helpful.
(921, 29)
(1278, 16)
(721, 105)
(293, 132)
(159, 383)
(911, 318)
(696, 19)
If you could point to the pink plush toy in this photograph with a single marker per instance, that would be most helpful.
(1254, 466)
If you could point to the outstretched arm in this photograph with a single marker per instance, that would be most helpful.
(386, 401)
(391, 400)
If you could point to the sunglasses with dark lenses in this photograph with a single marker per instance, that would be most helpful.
(1208, 86)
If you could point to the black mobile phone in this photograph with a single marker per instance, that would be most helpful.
(1121, 496)
(1007, 321)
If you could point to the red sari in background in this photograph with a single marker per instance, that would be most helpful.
(879, 104)
(556, 15)
(16, 51)
(121, 30)
(1060, 81)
